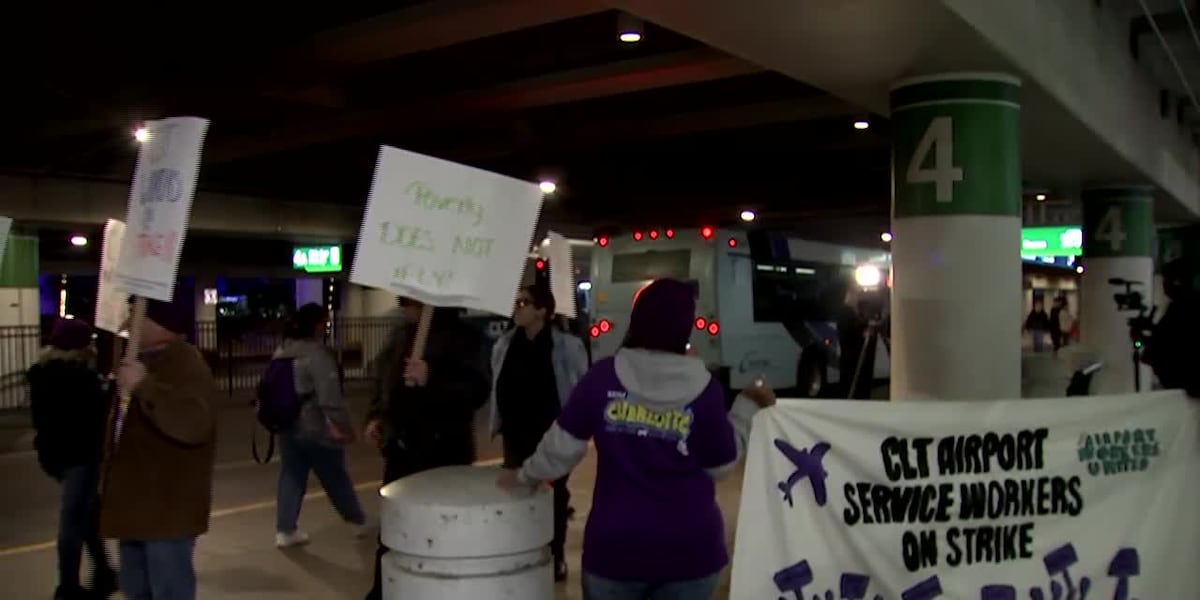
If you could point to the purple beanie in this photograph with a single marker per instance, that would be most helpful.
(71, 334)
(662, 317)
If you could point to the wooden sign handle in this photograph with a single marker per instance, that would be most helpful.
(137, 319)
(421, 336)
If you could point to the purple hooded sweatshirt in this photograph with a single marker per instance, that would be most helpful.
(662, 436)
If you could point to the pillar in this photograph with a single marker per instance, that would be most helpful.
(1118, 243)
(452, 533)
(956, 221)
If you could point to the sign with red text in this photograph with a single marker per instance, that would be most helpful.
(112, 304)
(444, 233)
(1089, 497)
(160, 202)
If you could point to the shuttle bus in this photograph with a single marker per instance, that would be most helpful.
(766, 305)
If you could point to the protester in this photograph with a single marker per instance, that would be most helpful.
(314, 443)
(534, 368)
(157, 481)
(662, 436)
(70, 405)
(1170, 347)
(422, 412)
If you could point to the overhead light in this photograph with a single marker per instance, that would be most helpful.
(629, 29)
(868, 276)
(141, 134)
(547, 186)
(1040, 197)
(79, 240)
(585, 286)
(1079, 269)
(886, 236)
(862, 124)
(749, 215)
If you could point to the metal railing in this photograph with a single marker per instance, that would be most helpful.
(238, 356)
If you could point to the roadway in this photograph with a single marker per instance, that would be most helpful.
(237, 558)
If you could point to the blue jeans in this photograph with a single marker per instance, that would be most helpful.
(599, 588)
(158, 570)
(298, 457)
(78, 523)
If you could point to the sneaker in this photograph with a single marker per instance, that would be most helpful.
(290, 540)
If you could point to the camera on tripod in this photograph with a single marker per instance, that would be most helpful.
(1132, 300)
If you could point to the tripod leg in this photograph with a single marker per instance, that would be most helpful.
(862, 356)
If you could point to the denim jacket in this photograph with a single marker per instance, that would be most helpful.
(569, 359)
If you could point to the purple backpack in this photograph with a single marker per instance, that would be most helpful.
(278, 404)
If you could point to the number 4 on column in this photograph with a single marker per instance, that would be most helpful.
(938, 139)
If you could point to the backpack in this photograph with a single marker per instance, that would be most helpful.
(276, 404)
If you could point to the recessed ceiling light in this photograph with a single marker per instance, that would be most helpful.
(748, 215)
(1040, 197)
(547, 186)
(886, 236)
(630, 37)
(862, 124)
(79, 240)
(141, 134)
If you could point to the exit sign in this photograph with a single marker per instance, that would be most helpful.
(317, 259)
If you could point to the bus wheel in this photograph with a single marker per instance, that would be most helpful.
(810, 376)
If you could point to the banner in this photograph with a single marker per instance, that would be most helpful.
(160, 202)
(1049, 499)
(112, 304)
(562, 273)
(444, 233)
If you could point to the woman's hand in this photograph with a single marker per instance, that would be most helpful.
(510, 479)
(761, 394)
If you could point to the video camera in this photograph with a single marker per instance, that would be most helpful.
(1132, 300)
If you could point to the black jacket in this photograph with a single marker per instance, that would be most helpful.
(439, 417)
(1170, 348)
(70, 404)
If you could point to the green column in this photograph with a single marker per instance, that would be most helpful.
(1118, 221)
(19, 265)
(1118, 243)
(957, 237)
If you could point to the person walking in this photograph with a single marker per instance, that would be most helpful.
(422, 412)
(70, 405)
(156, 484)
(662, 436)
(315, 442)
(534, 368)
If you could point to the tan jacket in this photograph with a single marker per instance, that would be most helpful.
(157, 477)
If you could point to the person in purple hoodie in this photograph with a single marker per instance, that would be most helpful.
(662, 436)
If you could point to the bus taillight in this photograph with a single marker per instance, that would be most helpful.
(595, 332)
(603, 241)
(605, 326)
(714, 328)
(707, 233)
(637, 236)
(670, 234)
(701, 323)
(653, 234)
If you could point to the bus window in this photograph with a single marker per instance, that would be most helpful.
(797, 291)
(647, 266)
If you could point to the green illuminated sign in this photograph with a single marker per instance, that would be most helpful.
(1051, 241)
(317, 259)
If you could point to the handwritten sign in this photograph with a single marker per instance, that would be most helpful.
(444, 233)
(112, 304)
(562, 273)
(5, 227)
(160, 202)
(1057, 498)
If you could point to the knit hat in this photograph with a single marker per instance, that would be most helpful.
(71, 334)
(662, 317)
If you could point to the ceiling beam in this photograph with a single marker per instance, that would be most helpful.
(613, 79)
(437, 24)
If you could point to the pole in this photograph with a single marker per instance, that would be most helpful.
(136, 321)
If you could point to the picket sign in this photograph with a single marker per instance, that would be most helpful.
(160, 203)
(562, 273)
(5, 226)
(1088, 497)
(112, 304)
(445, 234)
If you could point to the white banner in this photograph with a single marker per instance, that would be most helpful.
(562, 273)
(444, 233)
(1048, 499)
(160, 202)
(5, 226)
(112, 304)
